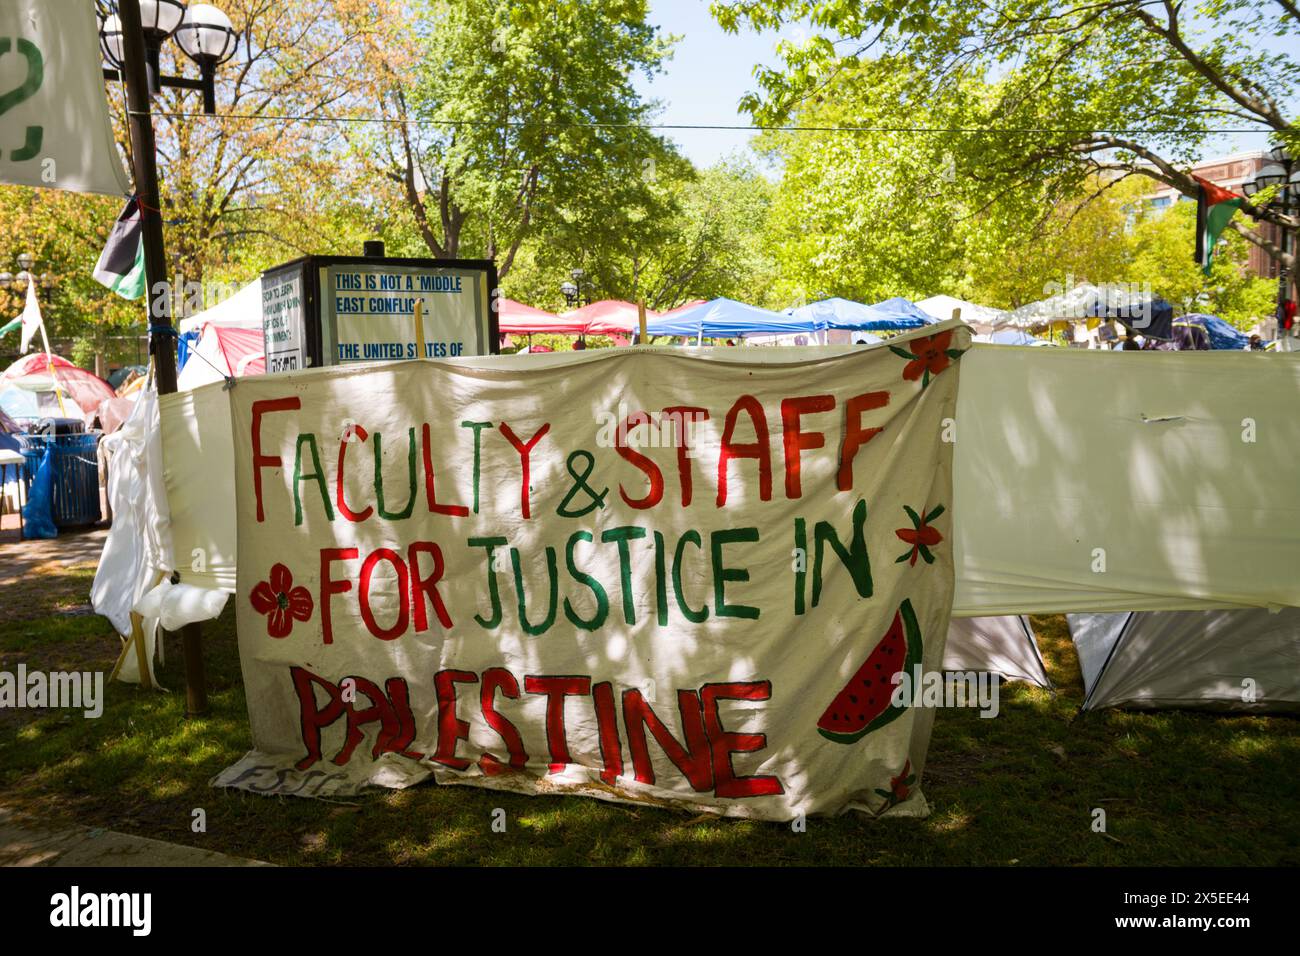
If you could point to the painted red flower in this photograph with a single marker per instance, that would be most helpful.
(901, 785)
(920, 536)
(281, 602)
(927, 357)
(899, 788)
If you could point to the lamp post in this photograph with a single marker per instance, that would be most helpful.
(202, 31)
(17, 283)
(1281, 172)
(131, 40)
(573, 291)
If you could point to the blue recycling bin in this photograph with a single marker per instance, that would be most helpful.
(76, 475)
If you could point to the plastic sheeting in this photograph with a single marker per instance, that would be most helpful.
(1240, 660)
(1106, 481)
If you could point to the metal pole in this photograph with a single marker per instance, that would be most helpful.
(144, 158)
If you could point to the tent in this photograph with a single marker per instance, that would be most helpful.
(31, 373)
(979, 317)
(1002, 645)
(515, 318)
(223, 352)
(1190, 334)
(837, 313)
(243, 310)
(1221, 334)
(1243, 659)
(607, 317)
(904, 313)
(1010, 337)
(727, 319)
(1148, 315)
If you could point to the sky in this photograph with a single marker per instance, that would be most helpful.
(711, 70)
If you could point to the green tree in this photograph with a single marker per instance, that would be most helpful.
(1115, 87)
(511, 119)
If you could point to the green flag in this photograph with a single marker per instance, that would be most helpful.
(121, 264)
(1214, 207)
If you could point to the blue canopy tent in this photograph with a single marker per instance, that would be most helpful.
(1190, 334)
(906, 314)
(1221, 334)
(837, 313)
(727, 319)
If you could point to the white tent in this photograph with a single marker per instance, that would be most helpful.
(1244, 659)
(979, 317)
(243, 310)
(1000, 645)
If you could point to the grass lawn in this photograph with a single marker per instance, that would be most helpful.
(1178, 788)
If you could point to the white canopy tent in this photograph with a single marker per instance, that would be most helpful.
(981, 318)
(1244, 659)
(243, 310)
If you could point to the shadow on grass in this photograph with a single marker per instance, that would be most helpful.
(1177, 788)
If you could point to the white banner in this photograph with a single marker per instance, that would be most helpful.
(635, 575)
(54, 124)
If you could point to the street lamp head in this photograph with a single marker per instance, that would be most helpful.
(47, 280)
(568, 289)
(1271, 175)
(160, 18)
(110, 41)
(207, 35)
(6, 280)
(1279, 154)
(25, 261)
(577, 275)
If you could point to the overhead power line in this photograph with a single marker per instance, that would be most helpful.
(736, 127)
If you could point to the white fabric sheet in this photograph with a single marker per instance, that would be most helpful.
(1107, 481)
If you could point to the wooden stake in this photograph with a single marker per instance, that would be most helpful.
(419, 328)
(640, 316)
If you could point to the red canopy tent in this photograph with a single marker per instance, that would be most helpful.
(607, 317)
(32, 373)
(515, 318)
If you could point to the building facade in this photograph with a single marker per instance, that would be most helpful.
(1230, 172)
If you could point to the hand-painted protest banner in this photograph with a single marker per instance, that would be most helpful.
(54, 125)
(646, 575)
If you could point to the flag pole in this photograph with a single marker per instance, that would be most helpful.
(49, 363)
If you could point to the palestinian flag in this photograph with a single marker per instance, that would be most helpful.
(1214, 207)
(121, 264)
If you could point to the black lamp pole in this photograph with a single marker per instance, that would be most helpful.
(144, 161)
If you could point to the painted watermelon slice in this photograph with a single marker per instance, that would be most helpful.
(865, 702)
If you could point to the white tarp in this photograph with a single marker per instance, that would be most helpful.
(53, 112)
(559, 581)
(1107, 481)
(136, 548)
(1240, 660)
